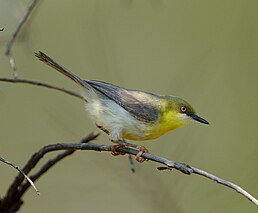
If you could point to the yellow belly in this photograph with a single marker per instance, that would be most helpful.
(140, 137)
(168, 122)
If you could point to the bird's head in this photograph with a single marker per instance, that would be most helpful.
(178, 113)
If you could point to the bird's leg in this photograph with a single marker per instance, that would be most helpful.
(141, 150)
(114, 137)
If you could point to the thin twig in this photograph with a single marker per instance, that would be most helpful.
(20, 24)
(21, 172)
(10, 80)
(92, 136)
(186, 169)
(219, 181)
(13, 65)
(14, 35)
(16, 189)
(132, 164)
(226, 183)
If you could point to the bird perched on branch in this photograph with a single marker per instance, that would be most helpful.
(129, 114)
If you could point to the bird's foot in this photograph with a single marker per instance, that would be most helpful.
(123, 143)
(141, 150)
(115, 147)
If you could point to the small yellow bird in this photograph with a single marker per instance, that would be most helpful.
(129, 114)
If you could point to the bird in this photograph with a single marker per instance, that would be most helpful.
(128, 114)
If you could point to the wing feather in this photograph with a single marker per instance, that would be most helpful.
(143, 106)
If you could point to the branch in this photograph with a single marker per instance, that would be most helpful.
(92, 136)
(219, 181)
(186, 169)
(17, 189)
(226, 183)
(10, 80)
(30, 182)
(14, 35)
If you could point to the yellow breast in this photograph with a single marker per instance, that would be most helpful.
(168, 121)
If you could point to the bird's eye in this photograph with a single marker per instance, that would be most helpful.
(183, 109)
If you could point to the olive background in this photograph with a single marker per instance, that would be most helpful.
(203, 51)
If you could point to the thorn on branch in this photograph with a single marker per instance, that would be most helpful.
(182, 167)
(162, 168)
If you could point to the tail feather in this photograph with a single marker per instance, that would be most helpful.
(49, 61)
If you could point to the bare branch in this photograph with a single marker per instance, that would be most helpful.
(10, 80)
(219, 181)
(16, 189)
(186, 169)
(19, 26)
(53, 161)
(17, 30)
(226, 183)
(21, 172)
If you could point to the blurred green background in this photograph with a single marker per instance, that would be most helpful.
(203, 51)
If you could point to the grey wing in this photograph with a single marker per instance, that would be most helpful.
(143, 106)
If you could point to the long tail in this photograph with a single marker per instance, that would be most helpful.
(49, 61)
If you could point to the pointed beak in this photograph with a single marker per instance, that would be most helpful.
(199, 119)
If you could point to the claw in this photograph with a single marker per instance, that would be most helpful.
(115, 147)
(123, 143)
(141, 150)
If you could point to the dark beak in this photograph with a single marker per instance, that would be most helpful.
(197, 118)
